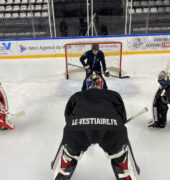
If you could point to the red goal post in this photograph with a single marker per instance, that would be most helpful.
(112, 51)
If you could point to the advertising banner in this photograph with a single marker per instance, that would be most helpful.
(55, 47)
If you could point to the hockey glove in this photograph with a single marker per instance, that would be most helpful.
(87, 69)
(107, 74)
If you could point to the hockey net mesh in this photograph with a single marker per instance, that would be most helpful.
(111, 50)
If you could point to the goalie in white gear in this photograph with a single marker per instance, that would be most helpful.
(5, 124)
(95, 116)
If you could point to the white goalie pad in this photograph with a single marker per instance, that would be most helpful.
(131, 167)
(63, 153)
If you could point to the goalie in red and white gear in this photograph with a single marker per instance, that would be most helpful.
(95, 116)
(4, 114)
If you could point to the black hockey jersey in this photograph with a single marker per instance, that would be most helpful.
(95, 109)
(94, 61)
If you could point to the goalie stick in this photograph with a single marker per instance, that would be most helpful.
(145, 109)
(123, 77)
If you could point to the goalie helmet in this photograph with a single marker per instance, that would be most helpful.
(164, 79)
(94, 81)
(162, 75)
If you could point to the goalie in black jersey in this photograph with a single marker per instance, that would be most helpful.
(95, 116)
(161, 101)
(92, 61)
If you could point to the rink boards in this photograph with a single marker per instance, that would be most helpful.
(54, 47)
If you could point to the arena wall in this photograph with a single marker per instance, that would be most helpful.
(54, 47)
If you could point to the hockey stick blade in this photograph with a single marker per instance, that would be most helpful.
(150, 123)
(18, 114)
(145, 109)
(123, 77)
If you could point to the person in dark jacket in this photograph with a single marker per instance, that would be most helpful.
(94, 58)
(63, 28)
(95, 116)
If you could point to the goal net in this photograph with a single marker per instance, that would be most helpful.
(111, 50)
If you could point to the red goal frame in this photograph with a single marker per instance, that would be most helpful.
(90, 43)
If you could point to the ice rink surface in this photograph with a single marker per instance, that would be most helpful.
(38, 87)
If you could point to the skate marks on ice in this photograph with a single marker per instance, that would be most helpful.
(123, 86)
(69, 87)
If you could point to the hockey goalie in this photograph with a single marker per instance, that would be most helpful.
(5, 123)
(161, 101)
(95, 116)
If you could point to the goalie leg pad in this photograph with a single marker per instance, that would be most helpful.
(6, 125)
(64, 164)
(123, 164)
(160, 110)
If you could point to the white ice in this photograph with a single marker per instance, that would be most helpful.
(38, 87)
